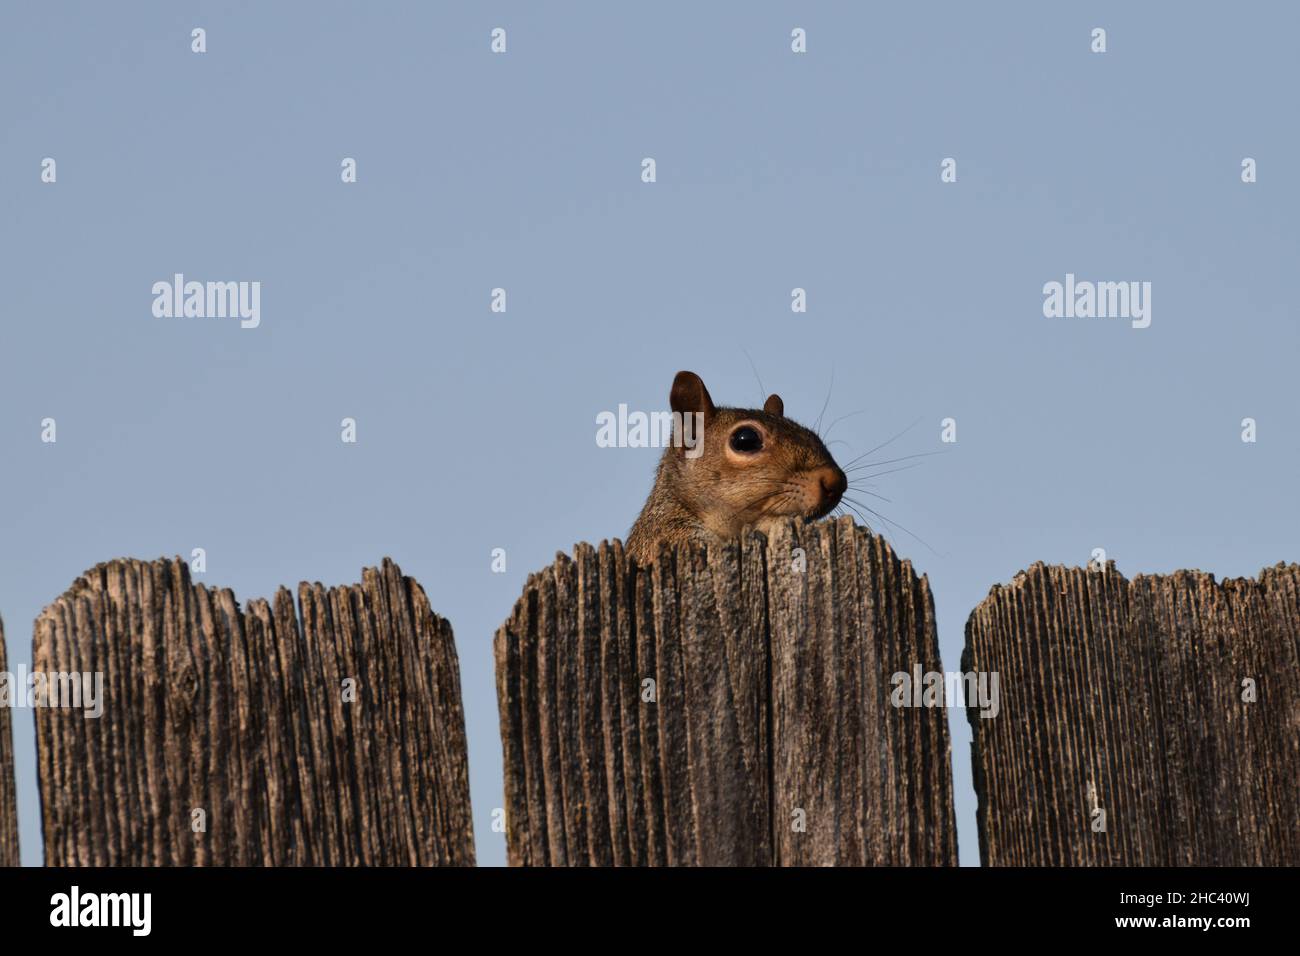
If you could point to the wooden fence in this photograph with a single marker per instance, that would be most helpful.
(728, 708)
(8, 794)
(736, 706)
(255, 736)
(1151, 722)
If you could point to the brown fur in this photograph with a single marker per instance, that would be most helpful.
(716, 495)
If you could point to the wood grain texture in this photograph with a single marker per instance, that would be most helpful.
(1127, 697)
(241, 713)
(770, 706)
(8, 793)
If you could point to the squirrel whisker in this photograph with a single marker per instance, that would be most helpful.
(884, 443)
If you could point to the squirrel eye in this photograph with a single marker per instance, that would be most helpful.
(746, 439)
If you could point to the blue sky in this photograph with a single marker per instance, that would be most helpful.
(522, 171)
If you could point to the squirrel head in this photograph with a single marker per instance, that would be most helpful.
(755, 466)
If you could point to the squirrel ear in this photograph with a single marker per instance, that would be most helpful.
(690, 395)
(774, 406)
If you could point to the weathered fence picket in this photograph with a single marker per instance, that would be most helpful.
(8, 793)
(253, 736)
(1146, 722)
(728, 707)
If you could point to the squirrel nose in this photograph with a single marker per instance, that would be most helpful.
(833, 483)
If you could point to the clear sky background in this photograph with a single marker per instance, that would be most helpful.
(775, 171)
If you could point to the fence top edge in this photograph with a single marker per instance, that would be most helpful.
(93, 581)
(791, 530)
(1041, 571)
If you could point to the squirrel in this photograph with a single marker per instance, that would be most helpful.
(746, 467)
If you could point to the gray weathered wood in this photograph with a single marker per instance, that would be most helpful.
(241, 714)
(1127, 698)
(874, 780)
(771, 738)
(8, 794)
